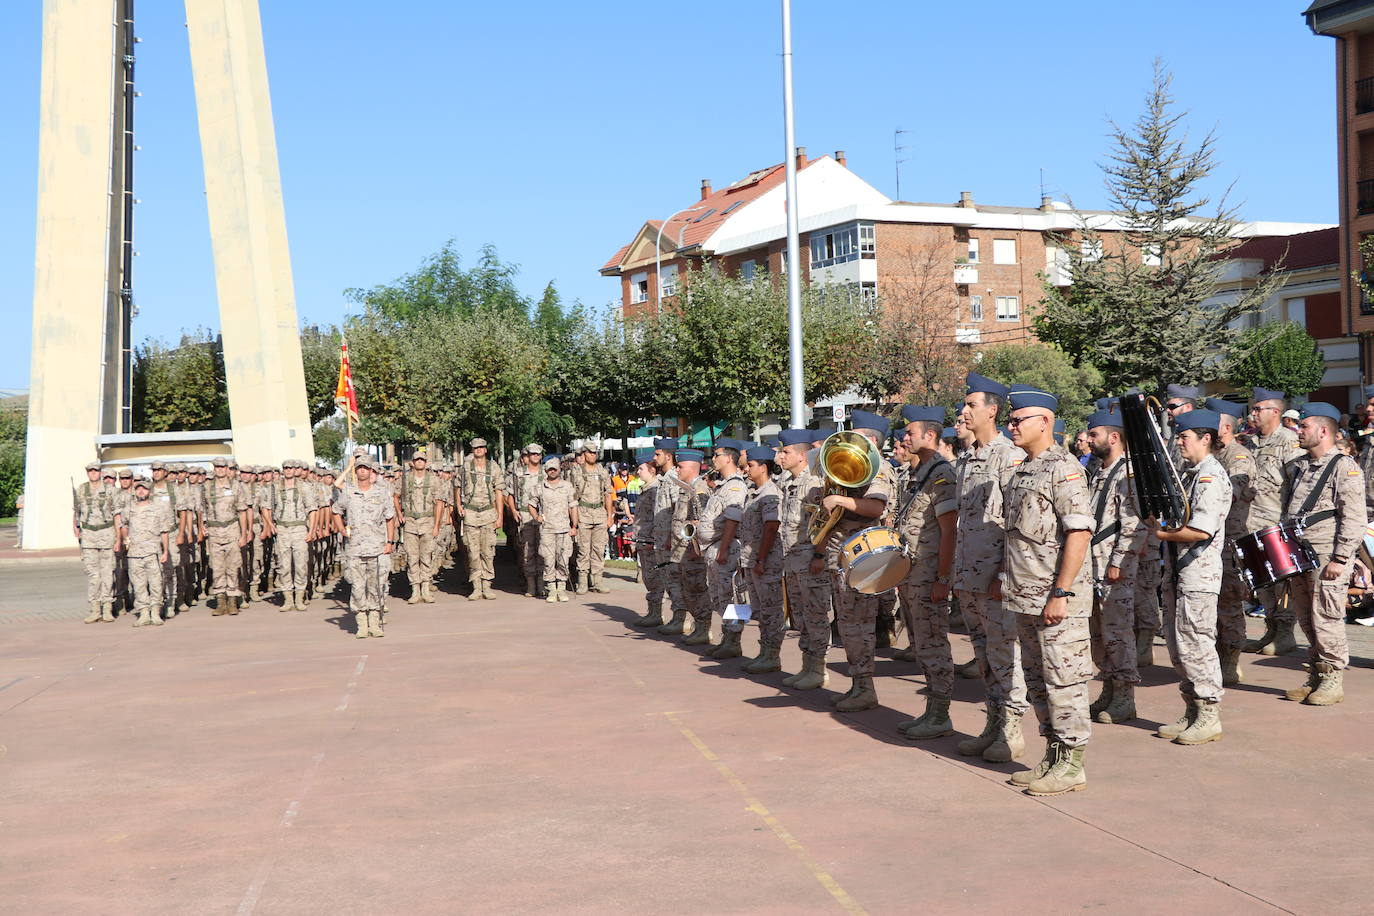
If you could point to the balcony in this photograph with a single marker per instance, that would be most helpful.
(1364, 95)
(1364, 196)
(968, 335)
(966, 274)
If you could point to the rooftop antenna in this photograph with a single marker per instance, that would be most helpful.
(897, 160)
(1042, 182)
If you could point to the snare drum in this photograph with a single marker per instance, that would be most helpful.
(1272, 554)
(874, 560)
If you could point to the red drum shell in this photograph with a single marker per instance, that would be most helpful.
(1270, 555)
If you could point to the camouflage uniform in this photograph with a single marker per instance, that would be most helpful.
(419, 499)
(1272, 453)
(726, 503)
(977, 554)
(552, 501)
(667, 495)
(591, 486)
(96, 508)
(1239, 464)
(1044, 499)
(931, 493)
(292, 504)
(761, 506)
(1118, 541)
(148, 520)
(225, 501)
(189, 509)
(808, 593)
(169, 497)
(1192, 581)
(365, 513)
(480, 491)
(1335, 527)
(691, 565)
(856, 613)
(521, 486)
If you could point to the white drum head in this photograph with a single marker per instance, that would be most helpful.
(878, 571)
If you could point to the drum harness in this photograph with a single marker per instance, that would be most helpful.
(1101, 534)
(913, 490)
(1309, 503)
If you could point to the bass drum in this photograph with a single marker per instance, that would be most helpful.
(874, 560)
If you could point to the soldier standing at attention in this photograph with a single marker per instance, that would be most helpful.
(519, 489)
(691, 566)
(760, 556)
(978, 550)
(596, 512)
(1274, 445)
(804, 575)
(481, 499)
(422, 508)
(666, 498)
(1324, 489)
(227, 530)
(289, 517)
(644, 520)
(95, 523)
(716, 538)
(1192, 580)
(149, 521)
(1239, 463)
(1117, 543)
(368, 514)
(554, 505)
(123, 497)
(1045, 582)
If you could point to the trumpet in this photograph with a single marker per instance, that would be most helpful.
(849, 461)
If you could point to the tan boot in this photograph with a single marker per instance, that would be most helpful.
(1231, 673)
(580, 586)
(969, 669)
(674, 626)
(1184, 722)
(1065, 776)
(107, 612)
(152, 617)
(301, 600)
(95, 615)
(814, 674)
(360, 620)
(598, 586)
(729, 645)
(933, 723)
(234, 605)
(1144, 648)
(974, 747)
(550, 591)
(530, 590)
(562, 590)
(374, 624)
(1026, 777)
(427, 593)
(487, 592)
(1284, 641)
(415, 593)
(1259, 645)
(1206, 725)
(653, 617)
(700, 634)
(1299, 694)
(1104, 699)
(221, 606)
(1009, 743)
(1330, 686)
(769, 660)
(865, 697)
(1122, 707)
(476, 593)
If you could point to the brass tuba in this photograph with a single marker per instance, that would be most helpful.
(849, 461)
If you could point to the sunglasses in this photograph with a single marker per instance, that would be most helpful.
(1175, 405)
(1017, 421)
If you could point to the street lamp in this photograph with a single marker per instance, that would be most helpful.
(658, 256)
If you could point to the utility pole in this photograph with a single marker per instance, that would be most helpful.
(794, 267)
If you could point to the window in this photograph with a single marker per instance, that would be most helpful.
(1092, 249)
(704, 215)
(639, 287)
(975, 308)
(1008, 308)
(668, 280)
(868, 292)
(866, 244)
(1004, 251)
(973, 251)
(1149, 255)
(747, 269)
(841, 244)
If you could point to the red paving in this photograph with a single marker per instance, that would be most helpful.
(513, 756)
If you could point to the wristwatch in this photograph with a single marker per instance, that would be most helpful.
(1061, 593)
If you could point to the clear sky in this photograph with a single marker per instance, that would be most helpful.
(552, 130)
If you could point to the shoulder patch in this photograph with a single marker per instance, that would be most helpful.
(1074, 476)
(1016, 461)
(1354, 473)
(1207, 479)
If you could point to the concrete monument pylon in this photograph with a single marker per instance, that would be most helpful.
(81, 370)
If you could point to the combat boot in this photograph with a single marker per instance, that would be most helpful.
(301, 600)
(95, 616)
(933, 723)
(969, 669)
(1065, 776)
(1230, 667)
(598, 586)
(1299, 694)
(1026, 777)
(853, 689)
(221, 606)
(360, 619)
(153, 618)
(729, 646)
(974, 747)
(1008, 744)
(530, 590)
(674, 626)
(551, 592)
(1259, 645)
(1284, 641)
(374, 624)
(286, 603)
(769, 660)
(1206, 724)
(427, 592)
(562, 590)
(486, 592)
(107, 612)
(864, 697)
(476, 593)
(1184, 722)
(904, 655)
(1122, 707)
(700, 635)
(814, 673)
(234, 605)
(1104, 699)
(580, 587)
(791, 679)
(414, 593)
(653, 617)
(1330, 686)
(1144, 648)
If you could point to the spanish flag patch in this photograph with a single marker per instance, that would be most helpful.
(1204, 480)
(940, 480)
(1074, 476)
(1354, 473)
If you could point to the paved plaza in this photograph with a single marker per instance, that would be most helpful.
(514, 756)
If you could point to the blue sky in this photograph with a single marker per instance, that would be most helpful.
(552, 130)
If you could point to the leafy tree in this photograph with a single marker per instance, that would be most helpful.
(13, 436)
(1048, 368)
(182, 387)
(1136, 306)
(1281, 357)
(329, 439)
(320, 357)
(441, 285)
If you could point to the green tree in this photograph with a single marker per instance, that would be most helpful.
(1280, 357)
(329, 439)
(13, 436)
(1048, 368)
(1137, 303)
(182, 387)
(442, 285)
(320, 359)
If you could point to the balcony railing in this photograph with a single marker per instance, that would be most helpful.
(964, 274)
(1364, 95)
(1364, 196)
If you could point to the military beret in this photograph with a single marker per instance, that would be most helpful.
(478, 441)
(125, 472)
(1104, 418)
(666, 444)
(1111, 404)
(690, 454)
(92, 465)
(1265, 394)
(949, 432)
(976, 382)
(735, 444)
(1189, 392)
(643, 454)
(912, 414)
(1059, 426)
(760, 453)
(1367, 392)
(1223, 406)
(795, 437)
(1026, 396)
(1321, 409)
(1198, 419)
(863, 419)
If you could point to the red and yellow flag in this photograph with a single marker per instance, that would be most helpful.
(344, 395)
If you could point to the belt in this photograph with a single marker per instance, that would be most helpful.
(97, 527)
(478, 508)
(232, 521)
(587, 505)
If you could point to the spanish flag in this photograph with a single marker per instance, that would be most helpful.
(344, 395)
